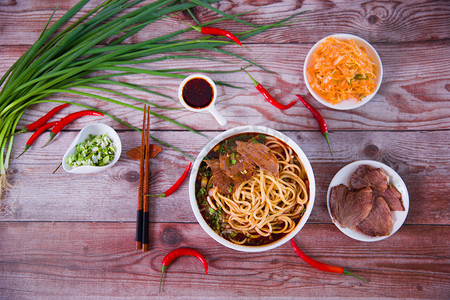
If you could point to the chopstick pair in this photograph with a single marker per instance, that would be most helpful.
(144, 173)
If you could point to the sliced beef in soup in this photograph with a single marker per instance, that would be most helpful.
(356, 207)
(260, 155)
(379, 221)
(239, 168)
(367, 176)
(337, 199)
(392, 197)
(218, 178)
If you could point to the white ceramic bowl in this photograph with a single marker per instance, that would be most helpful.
(351, 103)
(398, 217)
(266, 131)
(95, 129)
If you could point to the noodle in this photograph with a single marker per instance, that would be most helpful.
(265, 205)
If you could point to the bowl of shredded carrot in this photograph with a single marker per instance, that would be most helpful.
(343, 71)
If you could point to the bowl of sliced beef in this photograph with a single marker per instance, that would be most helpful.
(367, 200)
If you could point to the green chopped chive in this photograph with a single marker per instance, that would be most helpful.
(96, 150)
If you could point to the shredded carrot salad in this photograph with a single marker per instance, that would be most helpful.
(341, 71)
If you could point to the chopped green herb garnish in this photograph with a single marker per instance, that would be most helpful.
(361, 77)
(233, 158)
(96, 150)
(201, 192)
(262, 138)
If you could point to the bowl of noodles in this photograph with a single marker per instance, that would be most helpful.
(252, 188)
(343, 71)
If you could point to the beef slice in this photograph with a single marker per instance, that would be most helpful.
(367, 176)
(218, 178)
(379, 220)
(392, 197)
(260, 155)
(355, 208)
(237, 167)
(337, 199)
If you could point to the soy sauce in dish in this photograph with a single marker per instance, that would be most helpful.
(198, 93)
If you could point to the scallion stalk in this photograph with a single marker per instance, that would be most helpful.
(58, 62)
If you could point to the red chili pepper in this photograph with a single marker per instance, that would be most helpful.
(177, 184)
(268, 96)
(177, 253)
(70, 118)
(36, 134)
(218, 31)
(322, 266)
(320, 120)
(41, 121)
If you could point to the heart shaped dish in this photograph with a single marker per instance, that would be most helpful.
(93, 129)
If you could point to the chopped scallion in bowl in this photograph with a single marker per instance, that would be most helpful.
(96, 150)
(97, 147)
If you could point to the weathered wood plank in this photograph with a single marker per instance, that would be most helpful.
(44, 259)
(409, 21)
(411, 97)
(420, 158)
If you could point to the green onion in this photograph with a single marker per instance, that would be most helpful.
(69, 56)
(96, 150)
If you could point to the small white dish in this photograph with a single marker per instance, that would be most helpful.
(398, 217)
(210, 106)
(351, 103)
(94, 129)
(267, 131)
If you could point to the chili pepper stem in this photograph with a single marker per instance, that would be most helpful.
(57, 168)
(23, 130)
(255, 82)
(160, 280)
(198, 28)
(163, 195)
(325, 134)
(26, 148)
(52, 135)
(346, 272)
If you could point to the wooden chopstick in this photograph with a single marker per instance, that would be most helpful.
(146, 179)
(139, 218)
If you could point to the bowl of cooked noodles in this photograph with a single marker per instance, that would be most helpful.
(252, 188)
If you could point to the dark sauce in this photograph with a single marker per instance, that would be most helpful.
(198, 93)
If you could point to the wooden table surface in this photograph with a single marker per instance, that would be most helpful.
(72, 236)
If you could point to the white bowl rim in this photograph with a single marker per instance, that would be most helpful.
(95, 128)
(346, 104)
(343, 176)
(263, 130)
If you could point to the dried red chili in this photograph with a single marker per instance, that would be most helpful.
(36, 134)
(177, 184)
(268, 96)
(177, 253)
(322, 266)
(320, 120)
(41, 121)
(70, 118)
